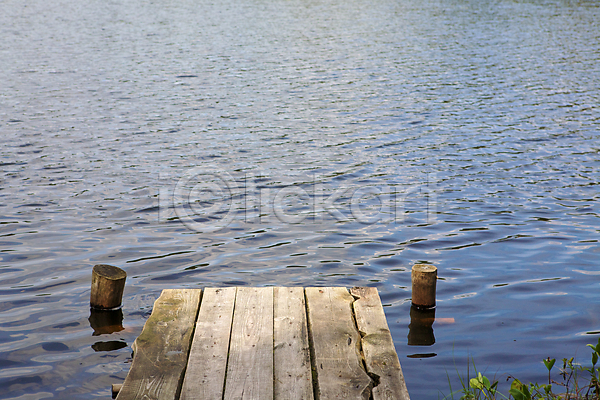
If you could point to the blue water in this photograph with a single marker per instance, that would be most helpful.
(334, 143)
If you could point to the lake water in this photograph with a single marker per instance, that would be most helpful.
(333, 143)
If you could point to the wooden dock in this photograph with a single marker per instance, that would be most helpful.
(314, 343)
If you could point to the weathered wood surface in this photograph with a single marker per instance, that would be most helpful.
(266, 343)
(291, 352)
(162, 348)
(207, 362)
(335, 345)
(250, 365)
(378, 346)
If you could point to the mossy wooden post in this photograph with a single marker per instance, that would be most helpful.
(424, 278)
(108, 283)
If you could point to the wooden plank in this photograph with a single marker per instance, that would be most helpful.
(162, 348)
(250, 365)
(207, 363)
(291, 352)
(378, 346)
(335, 345)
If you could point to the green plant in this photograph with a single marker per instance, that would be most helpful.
(575, 386)
(594, 386)
(478, 388)
(483, 385)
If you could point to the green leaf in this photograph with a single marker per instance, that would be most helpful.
(526, 392)
(594, 358)
(493, 387)
(517, 394)
(547, 389)
(516, 384)
(475, 384)
(486, 382)
(549, 363)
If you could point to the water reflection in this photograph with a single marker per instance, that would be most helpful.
(105, 322)
(420, 330)
(422, 355)
(111, 345)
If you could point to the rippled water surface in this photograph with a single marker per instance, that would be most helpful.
(357, 138)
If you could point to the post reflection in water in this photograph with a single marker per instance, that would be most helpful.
(106, 322)
(420, 330)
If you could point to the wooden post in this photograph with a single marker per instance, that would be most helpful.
(108, 283)
(116, 388)
(424, 278)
